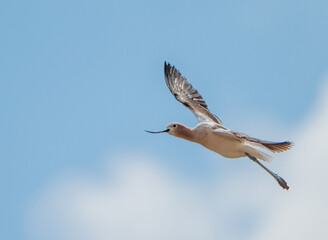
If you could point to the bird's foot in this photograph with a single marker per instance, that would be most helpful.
(281, 182)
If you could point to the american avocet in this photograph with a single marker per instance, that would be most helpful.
(211, 133)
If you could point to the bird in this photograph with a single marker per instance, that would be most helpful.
(210, 131)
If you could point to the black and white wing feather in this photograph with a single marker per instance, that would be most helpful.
(187, 95)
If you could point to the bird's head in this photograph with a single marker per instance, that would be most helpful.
(175, 129)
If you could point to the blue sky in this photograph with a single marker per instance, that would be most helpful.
(81, 80)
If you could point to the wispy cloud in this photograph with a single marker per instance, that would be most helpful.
(304, 213)
(140, 199)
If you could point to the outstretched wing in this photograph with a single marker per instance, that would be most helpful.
(187, 95)
(275, 147)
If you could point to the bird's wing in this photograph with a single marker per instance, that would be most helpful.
(187, 95)
(275, 147)
(227, 133)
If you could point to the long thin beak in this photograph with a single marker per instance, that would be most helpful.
(166, 130)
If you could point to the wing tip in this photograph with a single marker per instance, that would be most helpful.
(170, 72)
(167, 68)
(279, 147)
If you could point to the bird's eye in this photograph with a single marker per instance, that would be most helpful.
(174, 125)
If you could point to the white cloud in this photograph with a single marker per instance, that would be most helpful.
(304, 214)
(141, 202)
(141, 199)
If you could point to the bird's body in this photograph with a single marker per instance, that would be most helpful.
(210, 131)
(220, 142)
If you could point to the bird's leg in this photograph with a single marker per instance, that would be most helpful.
(279, 179)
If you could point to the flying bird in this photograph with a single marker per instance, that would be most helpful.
(210, 131)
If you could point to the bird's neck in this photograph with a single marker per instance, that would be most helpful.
(186, 133)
